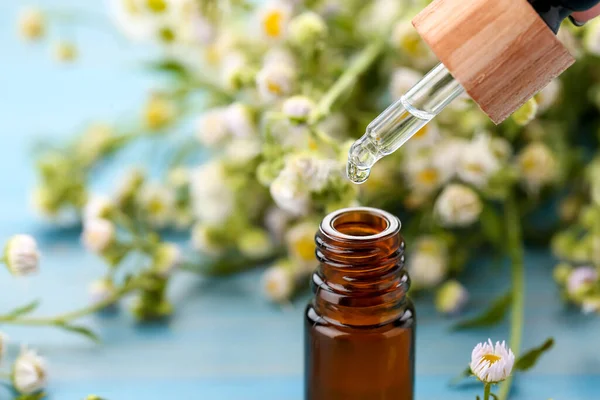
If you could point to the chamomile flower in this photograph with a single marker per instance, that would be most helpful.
(158, 202)
(98, 206)
(278, 282)
(131, 19)
(548, 96)
(212, 199)
(300, 243)
(275, 81)
(255, 244)
(492, 364)
(98, 235)
(211, 127)
(239, 120)
(478, 162)
(280, 56)
(21, 255)
(458, 206)
(427, 136)
(29, 373)
(427, 263)
(409, 43)
(307, 29)
(158, 112)
(451, 297)
(234, 68)
(241, 151)
(537, 165)
(289, 194)
(274, 18)
(526, 113)
(298, 108)
(591, 40)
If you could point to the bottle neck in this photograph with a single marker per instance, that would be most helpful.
(361, 279)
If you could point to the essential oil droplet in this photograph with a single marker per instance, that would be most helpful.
(357, 174)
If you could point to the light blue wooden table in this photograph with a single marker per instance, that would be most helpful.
(224, 342)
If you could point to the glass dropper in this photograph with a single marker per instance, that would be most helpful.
(401, 120)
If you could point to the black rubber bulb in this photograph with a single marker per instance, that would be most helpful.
(553, 12)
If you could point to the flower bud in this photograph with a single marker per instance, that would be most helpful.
(307, 29)
(98, 235)
(298, 108)
(31, 24)
(100, 291)
(451, 298)
(29, 373)
(167, 258)
(21, 255)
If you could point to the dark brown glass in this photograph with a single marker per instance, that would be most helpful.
(360, 326)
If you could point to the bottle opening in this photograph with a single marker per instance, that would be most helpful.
(360, 224)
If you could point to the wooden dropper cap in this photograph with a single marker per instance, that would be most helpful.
(500, 51)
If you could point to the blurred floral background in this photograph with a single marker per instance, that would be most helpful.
(253, 108)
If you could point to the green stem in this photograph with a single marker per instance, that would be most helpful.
(515, 249)
(72, 315)
(486, 391)
(364, 60)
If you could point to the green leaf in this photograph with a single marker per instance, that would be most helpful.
(531, 357)
(463, 375)
(493, 315)
(82, 330)
(26, 309)
(169, 66)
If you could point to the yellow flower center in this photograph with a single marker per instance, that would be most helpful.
(411, 44)
(157, 6)
(305, 248)
(490, 358)
(428, 176)
(475, 168)
(422, 132)
(156, 207)
(272, 23)
(528, 163)
(274, 87)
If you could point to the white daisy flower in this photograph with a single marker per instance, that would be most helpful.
(278, 282)
(212, 199)
(275, 81)
(427, 263)
(98, 206)
(159, 203)
(447, 153)
(538, 166)
(274, 18)
(21, 255)
(29, 373)
(238, 118)
(409, 43)
(403, 79)
(130, 17)
(526, 113)
(492, 364)
(478, 162)
(458, 205)
(427, 136)
(211, 127)
(423, 173)
(298, 108)
(300, 243)
(289, 193)
(98, 235)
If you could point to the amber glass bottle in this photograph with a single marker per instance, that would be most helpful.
(360, 326)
